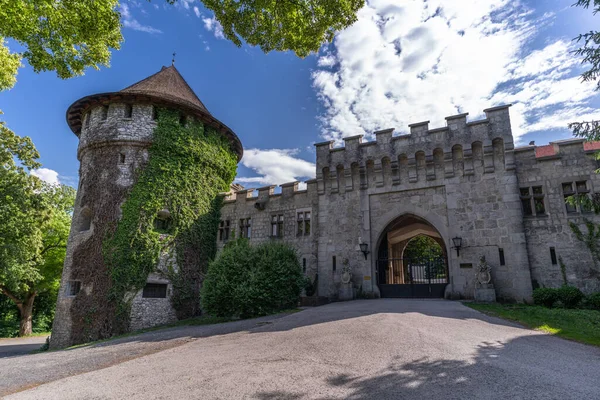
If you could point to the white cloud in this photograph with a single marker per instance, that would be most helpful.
(214, 26)
(186, 3)
(275, 166)
(47, 175)
(130, 22)
(197, 11)
(424, 60)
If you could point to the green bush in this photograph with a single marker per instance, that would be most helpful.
(247, 281)
(545, 296)
(593, 301)
(570, 296)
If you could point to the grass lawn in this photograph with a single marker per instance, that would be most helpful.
(579, 325)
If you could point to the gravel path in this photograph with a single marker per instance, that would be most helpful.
(369, 349)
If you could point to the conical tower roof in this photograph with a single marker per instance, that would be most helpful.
(165, 88)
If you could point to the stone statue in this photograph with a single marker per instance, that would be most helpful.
(484, 270)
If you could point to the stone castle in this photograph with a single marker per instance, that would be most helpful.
(464, 185)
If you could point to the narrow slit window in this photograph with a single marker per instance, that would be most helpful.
(553, 256)
(333, 263)
(88, 119)
(128, 111)
(501, 255)
(121, 158)
(104, 114)
(154, 113)
(304, 265)
(182, 120)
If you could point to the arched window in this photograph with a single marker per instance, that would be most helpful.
(85, 219)
(163, 222)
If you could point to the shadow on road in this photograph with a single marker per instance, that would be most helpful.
(485, 376)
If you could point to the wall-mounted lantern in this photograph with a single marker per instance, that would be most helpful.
(364, 247)
(457, 242)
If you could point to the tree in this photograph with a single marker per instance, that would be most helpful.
(298, 25)
(590, 51)
(35, 225)
(68, 36)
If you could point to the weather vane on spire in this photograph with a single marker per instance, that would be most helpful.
(173, 60)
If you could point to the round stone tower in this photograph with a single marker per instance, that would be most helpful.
(115, 130)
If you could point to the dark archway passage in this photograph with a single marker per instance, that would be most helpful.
(411, 259)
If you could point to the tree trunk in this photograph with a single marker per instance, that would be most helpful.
(26, 311)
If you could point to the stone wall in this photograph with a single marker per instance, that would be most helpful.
(261, 204)
(549, 167)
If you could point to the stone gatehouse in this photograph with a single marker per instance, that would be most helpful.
(464, 185)
(465, 180)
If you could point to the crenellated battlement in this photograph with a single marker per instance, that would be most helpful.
(265, 193)
(460, 148)
(557, 150)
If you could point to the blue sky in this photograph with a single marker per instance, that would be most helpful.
(402, 62)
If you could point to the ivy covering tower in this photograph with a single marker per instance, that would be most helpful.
(152, 163)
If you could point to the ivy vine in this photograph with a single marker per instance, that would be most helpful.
(188, 165)
(591, 238)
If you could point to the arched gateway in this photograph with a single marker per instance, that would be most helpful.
(411, 259)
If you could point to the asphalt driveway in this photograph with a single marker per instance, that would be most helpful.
(369, 349)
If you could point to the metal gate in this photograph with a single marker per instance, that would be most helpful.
(402, 277)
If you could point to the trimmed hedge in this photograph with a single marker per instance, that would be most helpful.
(593, 301)
(545, 297)
(247, 281)
(570, 296)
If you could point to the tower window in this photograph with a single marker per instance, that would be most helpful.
(154, 113)
(104, 113)
(121, 158)
(304, 265)
(85, 220)
(333, 263)
(88, 118)
(501, 255)
(155, 291)
(128, 111)
(72, 288)
(182, 120)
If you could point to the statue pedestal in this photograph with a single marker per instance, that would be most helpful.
(346, 292)
(485, 293)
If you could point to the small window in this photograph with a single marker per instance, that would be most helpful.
(304, 265)
(88, 119)
(501, 255)
(163, 221)
(72, 288)
(128, 112)
(85, 220)
(538, 200)
(104, 113)
(581, 187)
(155, 291)
(526, 201)
(277, 225)
(121, 158)
(567, 193)
(333, 263)
(303, 223)
(245, 227)
(224, 227)
(182, 120)
(553, 256)
(154, 113)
